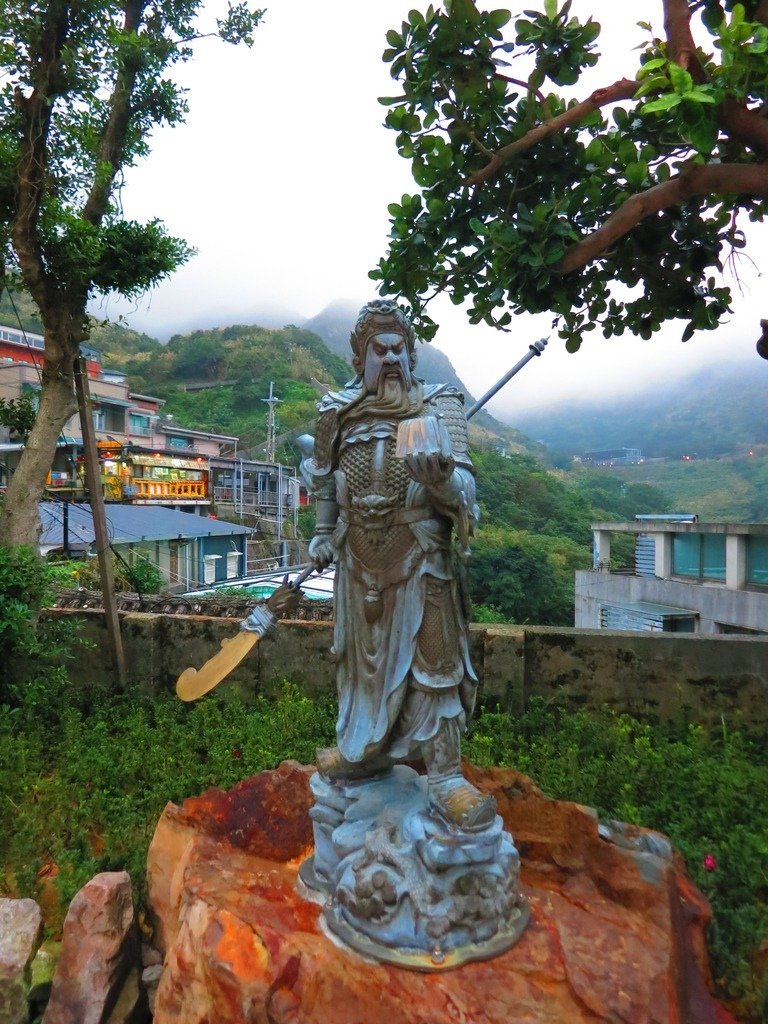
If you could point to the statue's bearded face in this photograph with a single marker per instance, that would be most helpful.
(387, 365)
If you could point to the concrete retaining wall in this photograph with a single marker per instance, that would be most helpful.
(659, 675)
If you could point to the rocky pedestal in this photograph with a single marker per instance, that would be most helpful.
(616, 931)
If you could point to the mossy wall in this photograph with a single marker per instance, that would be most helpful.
(665, 676)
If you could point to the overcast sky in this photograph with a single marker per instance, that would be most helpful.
(281, 178)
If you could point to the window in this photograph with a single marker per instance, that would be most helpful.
(177, 441)
(139, 424)
(99, 419)
(757, 561)
(713, 556)
(699, 556)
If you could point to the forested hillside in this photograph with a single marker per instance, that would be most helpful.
(729, 488)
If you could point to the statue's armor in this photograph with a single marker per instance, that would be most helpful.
(376, 485)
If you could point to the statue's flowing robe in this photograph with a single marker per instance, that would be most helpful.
(400, 634)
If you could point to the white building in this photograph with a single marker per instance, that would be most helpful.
(689, 577)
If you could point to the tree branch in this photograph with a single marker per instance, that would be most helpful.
(35, 111)
(525, 85)
(748, 126)
(624, 89)
(115, 130)
(697, 180)
(681, 47)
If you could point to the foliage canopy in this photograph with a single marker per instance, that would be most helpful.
(531, 200)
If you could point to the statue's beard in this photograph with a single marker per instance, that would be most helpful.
(392, 398)
(392, 391)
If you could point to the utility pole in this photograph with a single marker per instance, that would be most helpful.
(272, 401)
(96, 499)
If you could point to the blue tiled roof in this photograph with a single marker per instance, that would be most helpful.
(129, 524)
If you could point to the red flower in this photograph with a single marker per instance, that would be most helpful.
(709, 862)
(237, 753)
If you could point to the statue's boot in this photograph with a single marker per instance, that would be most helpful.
(455, 799)
(333, 766)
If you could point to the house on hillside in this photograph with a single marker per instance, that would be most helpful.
(612, 457)
(689, 577)
(145, 458)
(190, 551)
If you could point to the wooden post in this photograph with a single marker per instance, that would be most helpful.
(96, 499)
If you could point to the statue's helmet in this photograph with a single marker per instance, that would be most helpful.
(381, 316)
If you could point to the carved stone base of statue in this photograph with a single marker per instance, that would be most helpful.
(404, 886)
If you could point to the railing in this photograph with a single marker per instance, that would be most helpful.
(252, 501)
(162, 490)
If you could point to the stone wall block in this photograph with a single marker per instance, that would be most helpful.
(97, 977)
(502, 668)
(21, 923)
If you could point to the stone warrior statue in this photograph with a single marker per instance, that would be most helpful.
(393, 479)
(405, 681)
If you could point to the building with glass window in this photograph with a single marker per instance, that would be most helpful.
(688, 577)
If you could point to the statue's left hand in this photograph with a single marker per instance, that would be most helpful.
(284, 600)
(430, 468)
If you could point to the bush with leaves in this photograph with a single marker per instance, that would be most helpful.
(31, 650)
(529, 200)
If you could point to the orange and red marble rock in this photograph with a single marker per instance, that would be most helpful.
(616, 932)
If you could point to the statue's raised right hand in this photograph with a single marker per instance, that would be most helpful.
(321, 551)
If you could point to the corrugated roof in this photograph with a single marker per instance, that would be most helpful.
(129, 524)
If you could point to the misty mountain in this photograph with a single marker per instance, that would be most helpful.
(716, 411)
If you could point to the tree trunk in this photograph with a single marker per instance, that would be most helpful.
(19, 520)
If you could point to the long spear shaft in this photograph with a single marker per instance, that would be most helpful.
(533, 350)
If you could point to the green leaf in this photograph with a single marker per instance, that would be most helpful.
(550, 9)
(680, 78)
(652, 84)
(394, 39)
(498, 19)
(651, 65)
(636, 173)
(627, 151)
(703, 136)
(699, 96)
(594, 150)
(661, 104)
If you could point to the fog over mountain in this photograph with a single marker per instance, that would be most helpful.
(711, 412)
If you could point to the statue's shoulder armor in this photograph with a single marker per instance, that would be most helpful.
(448, 403)
(327, 427)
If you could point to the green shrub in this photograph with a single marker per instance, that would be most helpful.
(31, 649)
